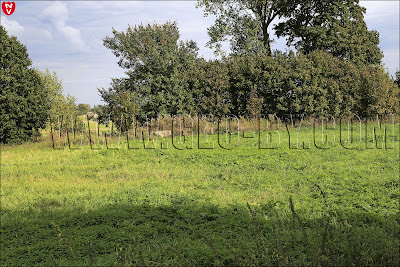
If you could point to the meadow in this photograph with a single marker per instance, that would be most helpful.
(244, 206)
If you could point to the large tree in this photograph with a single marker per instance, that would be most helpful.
(336, 27)
(23, 99)
(156, 63)
(244, 23)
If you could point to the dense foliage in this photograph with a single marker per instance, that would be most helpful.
(156, 66)
(242, 22)
(165, 76)
(83, 109)
(336, 69)
(311, 84)
(23, 98)
(336, 27)
(60, 105)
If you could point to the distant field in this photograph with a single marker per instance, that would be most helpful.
(201, 207)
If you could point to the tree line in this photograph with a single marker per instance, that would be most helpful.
(336, 69)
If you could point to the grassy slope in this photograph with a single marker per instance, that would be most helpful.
(189, 207)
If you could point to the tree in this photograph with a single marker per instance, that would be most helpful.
(120, 101)
(97, 109)
(257, 81)
(336, 27)
(23, 98)
(377, 93)
(312, 84)
(210, 86)
(83, 109)
(254, 105)
(156, 63)
(243, 22)
(61, 106)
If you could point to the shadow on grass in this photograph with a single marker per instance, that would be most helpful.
(186, 233)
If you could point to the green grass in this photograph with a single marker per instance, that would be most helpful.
(245, 206)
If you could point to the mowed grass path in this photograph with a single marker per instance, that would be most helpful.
(160, 207)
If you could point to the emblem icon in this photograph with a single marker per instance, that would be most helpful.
(8, 8)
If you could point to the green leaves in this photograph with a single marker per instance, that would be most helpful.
(83, 109)
(336, 27)
(327, 76)
(312, 84)
(142, 45)
(211, 91)
(60, 105)
(244, 23)
(157, 66)
(23, 99)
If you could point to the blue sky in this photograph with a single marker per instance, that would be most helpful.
(66, 36)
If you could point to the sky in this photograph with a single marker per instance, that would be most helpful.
(66, 36)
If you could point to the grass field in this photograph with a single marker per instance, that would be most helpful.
(200, 207)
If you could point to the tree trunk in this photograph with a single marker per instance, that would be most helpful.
(266, 40)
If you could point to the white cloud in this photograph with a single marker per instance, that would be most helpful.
(12, 26)
(74, 36)
(57, 13)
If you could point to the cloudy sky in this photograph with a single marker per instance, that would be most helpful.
(66, 36)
